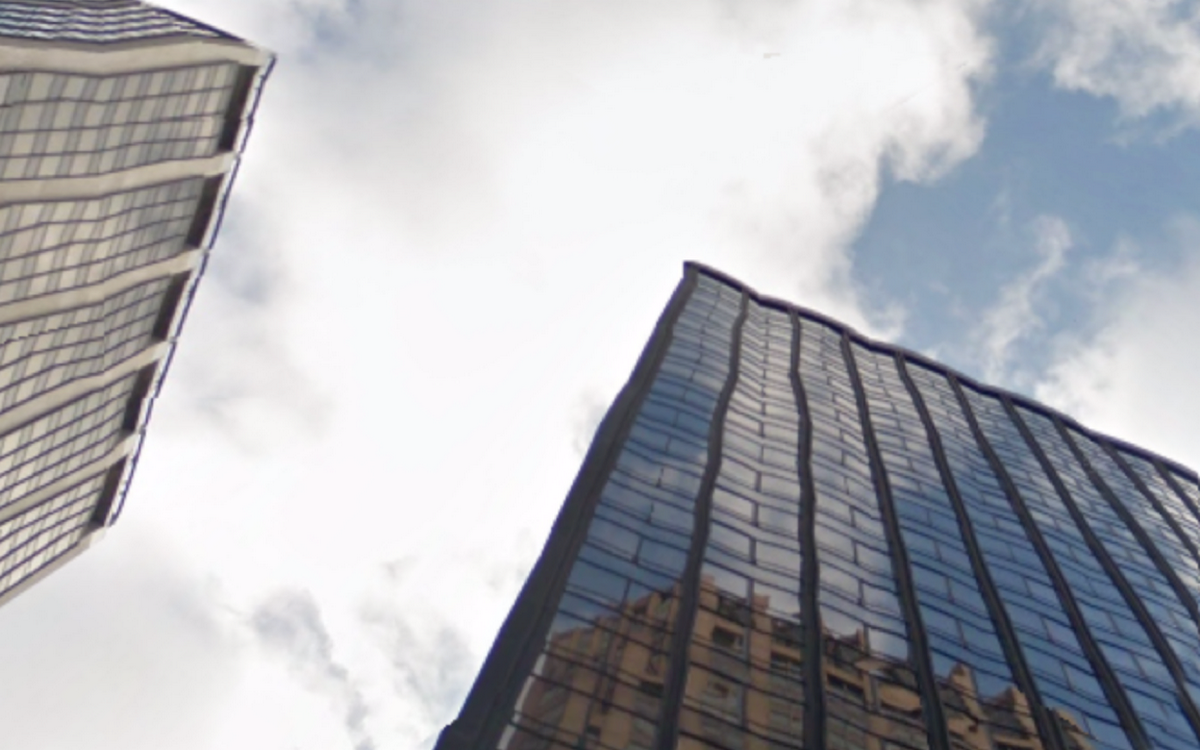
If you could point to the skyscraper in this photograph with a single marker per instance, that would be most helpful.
(786, 535)
(120, 130)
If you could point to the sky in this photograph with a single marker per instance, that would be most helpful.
(455, 227)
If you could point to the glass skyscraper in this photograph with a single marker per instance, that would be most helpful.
(120, 130)
(786, 535)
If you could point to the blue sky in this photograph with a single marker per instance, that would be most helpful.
(943, 248)
(454, 228)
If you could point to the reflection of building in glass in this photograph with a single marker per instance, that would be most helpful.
(788, 536)
(120, 130)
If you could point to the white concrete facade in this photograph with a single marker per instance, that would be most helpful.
(37, 535)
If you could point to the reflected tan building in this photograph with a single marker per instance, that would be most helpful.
(121, 126)
(786, 535)
(744, 688)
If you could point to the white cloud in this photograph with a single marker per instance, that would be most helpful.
(1144, 54)
(1119, 380)
(455, 224)
(1014, 316)
(125, 648)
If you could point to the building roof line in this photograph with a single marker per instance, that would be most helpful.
(920, 359)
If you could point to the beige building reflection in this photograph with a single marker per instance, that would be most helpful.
(600, 685)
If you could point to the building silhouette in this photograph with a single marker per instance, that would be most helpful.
(786, 535)
(121, 126)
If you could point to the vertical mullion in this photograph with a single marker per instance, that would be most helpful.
(1162, 511)
(1183, 495)
(814, 709)
(1103, 670)
(1181, 592)
(935, 719)
(1101, 554)
(685, 618)
(518, 644)
(1048, 728)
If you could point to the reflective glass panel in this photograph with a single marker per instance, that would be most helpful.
(1064, 676)
(974, 680)
(745, 675)
(600, 679)
(869, 679)
(1124, 641)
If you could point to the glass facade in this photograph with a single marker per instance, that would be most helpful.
(109, 198)
(788, 536)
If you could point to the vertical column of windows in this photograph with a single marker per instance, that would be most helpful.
(1065, 677)
(745, 678)
(600, 679)
(1125, 641)
(979, 696)
(1185, 523)
(870, 685)
(1109, 624)
(1177, 620)
(1190, 489)
(1174, 528)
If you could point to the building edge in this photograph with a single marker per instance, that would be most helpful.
(205, 237)
(491, 697)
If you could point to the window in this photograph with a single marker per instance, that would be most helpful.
(845, 688)
(723, 697)
(786, 672)
(727, 640)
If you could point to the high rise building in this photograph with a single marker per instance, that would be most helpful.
(786, 535)
(120, 130)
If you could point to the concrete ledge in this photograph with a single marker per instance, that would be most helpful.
(50, 400)
(155, 53)
(97, 186)
(82, 474)
(47, 304)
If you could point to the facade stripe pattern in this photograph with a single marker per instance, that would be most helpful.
(894, 529)
(1171, 504)
(1156, 507)
(1055, 655)
(745, 683)
(1142, 660)
(1188, 488)
(1024, 698)
(677, 706)
(789, 537)
(861, 615)
(1030, 493)
(973, 675)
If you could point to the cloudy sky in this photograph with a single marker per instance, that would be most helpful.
(457, 223)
